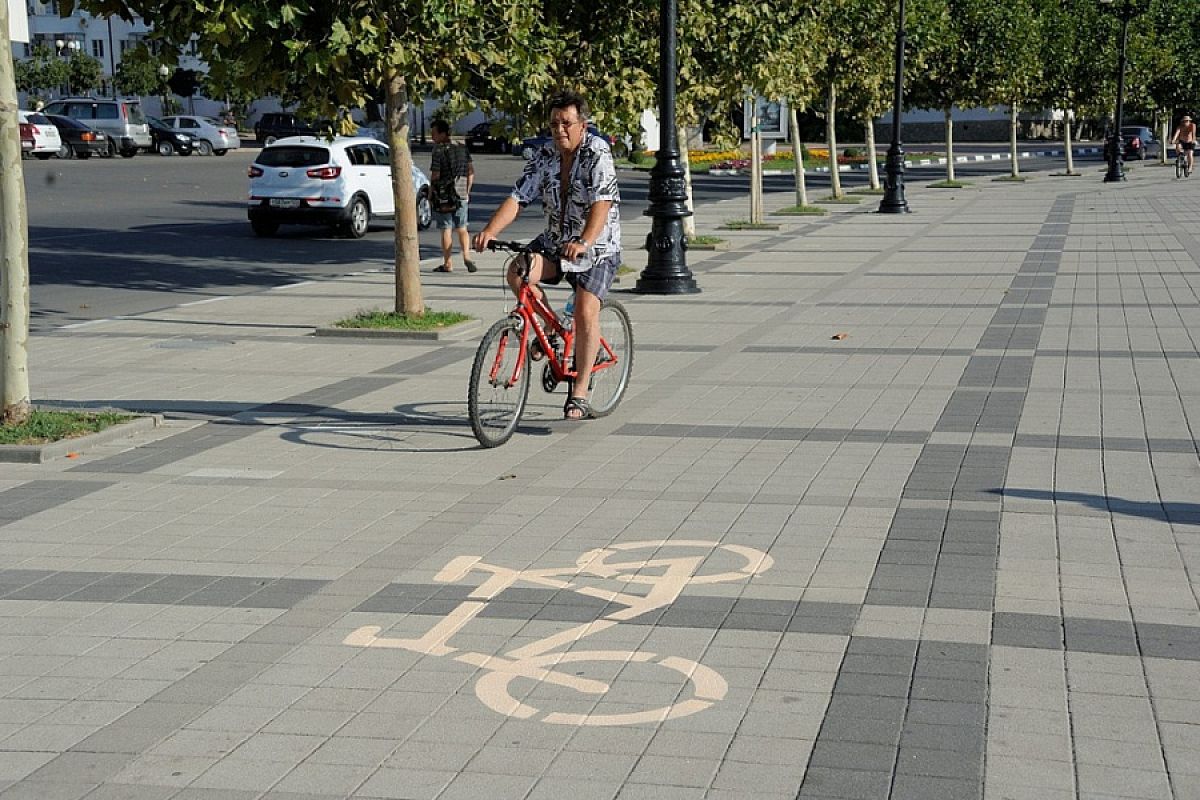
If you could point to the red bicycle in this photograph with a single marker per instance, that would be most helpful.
(499, 386)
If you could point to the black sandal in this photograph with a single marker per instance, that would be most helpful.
(579, 405)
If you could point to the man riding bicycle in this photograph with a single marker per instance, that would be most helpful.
(1185, 137)
(576, 182)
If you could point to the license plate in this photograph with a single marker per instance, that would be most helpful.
(280, 202)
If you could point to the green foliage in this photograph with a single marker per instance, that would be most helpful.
(51, 426)
(137, 74)
(389, 320)
(41, 72)
(84, 73)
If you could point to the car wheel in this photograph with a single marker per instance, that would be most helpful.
(42, 156)
(269, 140)
(82, 154)
(65, 151)
(359, 219)
(424, 210)
(129, 152)
(165, 149)
(219, 152)
(263, 227)
(204, 147)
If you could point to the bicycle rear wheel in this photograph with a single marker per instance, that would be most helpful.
(499, 384)
(614, 362)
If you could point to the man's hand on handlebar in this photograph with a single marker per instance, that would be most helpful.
(481, 239)
(571, 251)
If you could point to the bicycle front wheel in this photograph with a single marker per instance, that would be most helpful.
(614, 362)
(1179, 168)
(499, 384)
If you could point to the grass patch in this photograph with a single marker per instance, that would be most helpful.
(624, 269)
(43, 427)
(1010, 179)
(390, 320)
(704, 239)
(813, 211)
(746, 225)
(868, 190)
(847, 199)
(949, 185)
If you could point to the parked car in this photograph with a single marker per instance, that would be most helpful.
(78, 140)
(1138, 139)
(46, 140)
(212, 138)
(281, 125)
(531, 145)
(344, 183)
(481, 140)
(26, 138)
(120, 120)
(168, 141)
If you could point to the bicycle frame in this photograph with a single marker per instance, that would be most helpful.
(533, 311)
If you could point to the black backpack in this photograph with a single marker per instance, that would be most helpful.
(444, 195)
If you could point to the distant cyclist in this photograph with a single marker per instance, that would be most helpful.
(1185, 137)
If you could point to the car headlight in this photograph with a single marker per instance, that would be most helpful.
(180, 138)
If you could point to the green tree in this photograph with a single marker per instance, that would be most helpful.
(1075, 63)
(1006, 50)
(946, 78)
(84, 73)
(330, 55)
(41, 72)
(137, 74)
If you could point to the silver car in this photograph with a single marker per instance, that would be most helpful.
(212, 138)
(120, 120)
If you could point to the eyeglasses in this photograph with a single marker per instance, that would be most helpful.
(565, 124)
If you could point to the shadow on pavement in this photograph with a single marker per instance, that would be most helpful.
(1181, 513)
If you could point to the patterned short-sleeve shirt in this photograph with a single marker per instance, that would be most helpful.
(593, 179)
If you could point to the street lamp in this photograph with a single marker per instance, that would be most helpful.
(163, 72)
(666, 266)
(893, 201)
(1125, 10)
(66, 50)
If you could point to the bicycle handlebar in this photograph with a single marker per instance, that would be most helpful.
(515, 247)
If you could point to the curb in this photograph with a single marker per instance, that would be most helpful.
(41, 453)
(921, 162)
(456, 331)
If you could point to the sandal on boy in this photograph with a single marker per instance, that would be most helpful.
(577, 408)
(442, 268)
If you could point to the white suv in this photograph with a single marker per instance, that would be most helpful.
(46, 140)
(344, 183)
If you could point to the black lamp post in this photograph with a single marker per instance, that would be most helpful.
(666, 267)
(893, 201)
(1116, 144)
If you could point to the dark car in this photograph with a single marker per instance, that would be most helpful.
(1138, 139)
(530, 146)
(281, 125)
(168, 141)
(79, 140)
(481, 140)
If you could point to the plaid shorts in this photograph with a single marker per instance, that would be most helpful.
(597, 280)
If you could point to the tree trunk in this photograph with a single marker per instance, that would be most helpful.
(1164, 138)
(1067, 146)
(756, 199)
(798, 157)
(949, 145)
(835, 178)
(689, 222)
(408, 251)
(14, 249)
(872, 166)
(1012, 140)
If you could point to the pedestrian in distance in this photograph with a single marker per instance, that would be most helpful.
(1185, 137)
(451, 177)
(576, 181)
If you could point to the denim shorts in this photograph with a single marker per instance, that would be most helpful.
(455, 219)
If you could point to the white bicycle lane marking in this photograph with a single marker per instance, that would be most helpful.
(665, 579)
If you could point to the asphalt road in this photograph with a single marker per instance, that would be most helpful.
(126, 236)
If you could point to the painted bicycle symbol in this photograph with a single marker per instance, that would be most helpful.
(646, 585)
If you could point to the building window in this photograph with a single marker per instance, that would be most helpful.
(98, 48)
